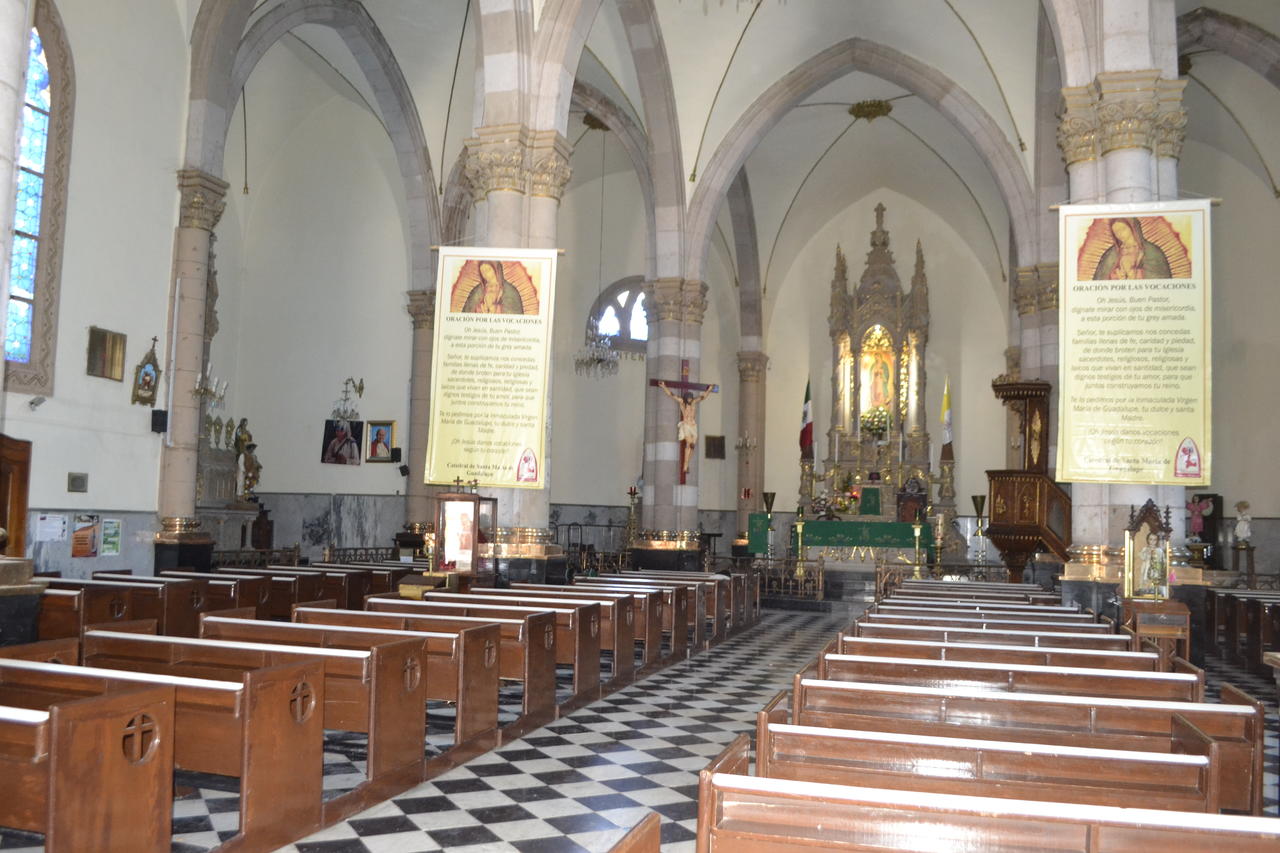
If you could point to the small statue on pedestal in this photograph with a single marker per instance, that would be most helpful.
(1244, 523)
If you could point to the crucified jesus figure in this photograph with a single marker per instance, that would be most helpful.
(687, 428)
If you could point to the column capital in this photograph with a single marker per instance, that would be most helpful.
(422, 308)
(680, 299)
(1047, 296)
(1078, 126)
(1171, 118)
(1026, 290)
(1126, 107)
(512, 158)
(203, 199)
(751, 365)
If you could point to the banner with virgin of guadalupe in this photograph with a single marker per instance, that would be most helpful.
(1134, 321)
(490, 366)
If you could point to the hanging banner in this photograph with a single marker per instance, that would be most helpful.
(490, 366)
(1134, 334)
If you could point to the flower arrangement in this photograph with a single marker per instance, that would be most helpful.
(875, 422)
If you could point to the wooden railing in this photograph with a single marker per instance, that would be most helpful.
(255, 558)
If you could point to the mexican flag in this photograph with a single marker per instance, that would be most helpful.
(806, 426)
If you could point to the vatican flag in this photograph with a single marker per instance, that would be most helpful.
(946, 411)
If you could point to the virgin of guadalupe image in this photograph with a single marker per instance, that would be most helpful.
(494, 294)
(1130, 255)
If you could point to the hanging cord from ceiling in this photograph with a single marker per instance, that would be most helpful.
(994, 77)
(457, 60)
(693, 175)
(244, 114)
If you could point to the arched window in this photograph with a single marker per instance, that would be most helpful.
(618, 314)
(40, 213)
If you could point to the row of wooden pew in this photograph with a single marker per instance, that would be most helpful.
(1243, 625)
(991, 717)
(139, 675)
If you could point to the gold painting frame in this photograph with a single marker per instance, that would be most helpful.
(1147, 554)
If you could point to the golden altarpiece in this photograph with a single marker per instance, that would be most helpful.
(877, 464)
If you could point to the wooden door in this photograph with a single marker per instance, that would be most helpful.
(15, 478)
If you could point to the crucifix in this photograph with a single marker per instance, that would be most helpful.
(687, 426)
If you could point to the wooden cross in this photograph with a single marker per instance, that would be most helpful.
(457, 481)
(687, 428)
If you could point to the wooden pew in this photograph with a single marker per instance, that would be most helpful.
(258, 726)
(175, 606)
(527, 652)
(617, 620)
(995, 653)
(1016, 678)
(888, 608)
(227, 591)
(359, 582)
(382, 578)
(644, 837)
(67, 612)
(1237, 724)
(1247, 633)
(577, 644)
(77, 768)
(379, 692)
(702, 596)
(972, 604)
(725, 599)
(1186, 780)
(989, 597)
(459, 666)
(1115, 642)
(285, 590)
(648, 604)
(737, 813)
(336, 584)
(981, 622)
(206, 592)
(672, 600)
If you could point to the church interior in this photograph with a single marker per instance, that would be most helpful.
(806, 381)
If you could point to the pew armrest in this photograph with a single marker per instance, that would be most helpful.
(65, 650)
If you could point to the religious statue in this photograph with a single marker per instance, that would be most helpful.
(244, 438)
(252, 469)
(1244, 522)
(1151, 564)
(687, 428)
(1198, 508)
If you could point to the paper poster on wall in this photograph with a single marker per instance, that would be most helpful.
(51, 528)
(86, 534)
(1134, 331)
(111, 530)
(490, 367)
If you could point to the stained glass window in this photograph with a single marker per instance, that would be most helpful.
(618, 313)
(30, 195)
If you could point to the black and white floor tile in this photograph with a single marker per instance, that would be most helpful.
(579, 783)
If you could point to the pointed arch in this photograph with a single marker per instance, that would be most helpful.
(1245, 42)
(856, 54)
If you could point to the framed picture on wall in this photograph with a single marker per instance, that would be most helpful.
(380, 437)
(342, 442)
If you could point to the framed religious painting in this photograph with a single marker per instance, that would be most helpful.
(1146, 554)
(380, 437)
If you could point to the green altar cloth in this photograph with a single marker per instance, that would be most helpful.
(863, 534)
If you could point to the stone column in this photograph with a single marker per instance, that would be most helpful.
(422, 308)
(675, 308)
(751, 397)
(15, 24)
(518, 177)
(180, 540)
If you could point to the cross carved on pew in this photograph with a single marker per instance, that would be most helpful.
(139, 738)
(687, 426)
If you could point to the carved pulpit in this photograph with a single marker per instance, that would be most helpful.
(877, 441)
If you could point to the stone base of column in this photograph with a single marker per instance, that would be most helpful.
(181, 544)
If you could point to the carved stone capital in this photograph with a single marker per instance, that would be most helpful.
(1126, 109)
(1026, 290)
(1047, 295)
(495, 160)
(422, 308)
(203, 199)
(1078, 126)
(751, 365)
(1171, 118)
(693, 301)
(662, 299)
(549, 169)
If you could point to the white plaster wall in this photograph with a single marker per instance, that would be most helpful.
(1246, 309)
(597, 425)
(313, 283)
(966, 340)
(718, 415)
(131, 77)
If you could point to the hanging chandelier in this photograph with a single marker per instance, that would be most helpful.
(597, 359)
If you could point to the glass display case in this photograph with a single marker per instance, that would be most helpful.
(457, 532)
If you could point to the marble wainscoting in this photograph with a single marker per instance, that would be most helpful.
(314, 520)
(137, 544)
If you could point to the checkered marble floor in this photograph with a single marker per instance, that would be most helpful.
(579, 783)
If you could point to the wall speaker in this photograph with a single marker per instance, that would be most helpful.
(404, 470)
(395, 454)
(159, 420)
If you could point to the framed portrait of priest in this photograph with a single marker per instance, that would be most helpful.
(1146, 554)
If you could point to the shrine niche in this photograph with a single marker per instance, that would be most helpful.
(877, 445)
